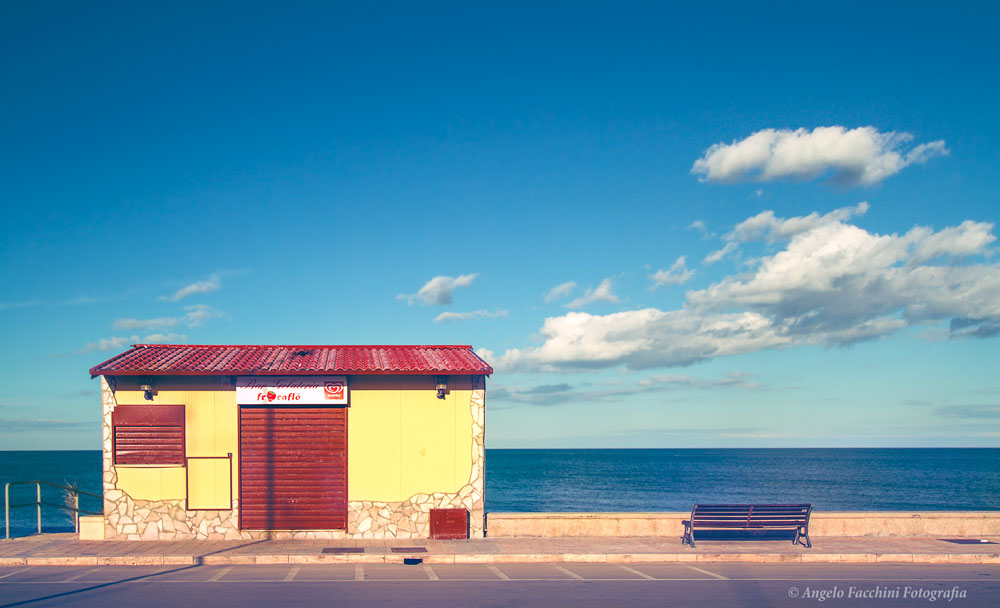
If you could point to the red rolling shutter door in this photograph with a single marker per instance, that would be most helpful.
(293, 468)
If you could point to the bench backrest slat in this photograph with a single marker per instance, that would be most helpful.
(752, 516)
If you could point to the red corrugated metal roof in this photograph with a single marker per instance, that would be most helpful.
(218, 359)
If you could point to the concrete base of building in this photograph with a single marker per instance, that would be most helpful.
(822, 523)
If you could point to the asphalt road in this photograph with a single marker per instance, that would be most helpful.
(413, 586)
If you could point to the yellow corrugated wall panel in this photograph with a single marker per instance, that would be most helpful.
(152, 483)
(211, 425)
(403, 440)
(227, 431)
(208, 481)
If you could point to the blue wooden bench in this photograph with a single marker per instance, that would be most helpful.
(749, 517)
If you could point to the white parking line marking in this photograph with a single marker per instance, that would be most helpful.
(291, 573)
(634, 571)
(15, 572)
(144, 580)
(430, 573)
(215, 577)
(497, 571)
(359, 572)
(569, 572)
(712, 574)
(80, 575)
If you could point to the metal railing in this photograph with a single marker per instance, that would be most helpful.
(74, 508)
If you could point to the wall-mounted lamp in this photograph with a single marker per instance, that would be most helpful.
(146, 386)
(441, 384)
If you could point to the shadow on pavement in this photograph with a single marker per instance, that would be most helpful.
(199, 560)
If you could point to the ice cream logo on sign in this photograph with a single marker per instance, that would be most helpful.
(270, 396)
(333, 391)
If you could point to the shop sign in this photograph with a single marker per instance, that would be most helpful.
(291, 390)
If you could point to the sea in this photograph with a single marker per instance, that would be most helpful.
(835, 479)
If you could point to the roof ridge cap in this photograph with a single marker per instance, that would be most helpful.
(465, 346)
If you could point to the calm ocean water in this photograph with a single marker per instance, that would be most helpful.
(882, 479)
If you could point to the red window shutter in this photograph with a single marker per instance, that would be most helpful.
(148, 434)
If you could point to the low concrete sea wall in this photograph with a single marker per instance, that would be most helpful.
(939, 524)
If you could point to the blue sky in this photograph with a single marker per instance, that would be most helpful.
(772, 225)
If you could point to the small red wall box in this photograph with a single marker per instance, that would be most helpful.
(449, 523)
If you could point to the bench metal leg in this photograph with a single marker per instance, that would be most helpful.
(802, 533)
(688, 534)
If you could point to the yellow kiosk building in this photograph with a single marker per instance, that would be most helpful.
(248, 442)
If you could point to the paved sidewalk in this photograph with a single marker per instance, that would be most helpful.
(65, 549)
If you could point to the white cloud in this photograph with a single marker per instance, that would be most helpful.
(677, 274)
(602, 292)
(698, 225)
(968, 411)
(832, 283)
(560, 291)
(114, 343)
(766, 227)
(968, 238)
(82, 300)
(212, 283)
(145, 323)
(641, 339)
(718, 254)
(838, 283)
(198, 314)
(861, 156)
(194, 316)
(121, 343)
(438, 290)
(555, 394)
(161, 338)
(465, 316)
(730, 380)
(27, 425)
(20, 304)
